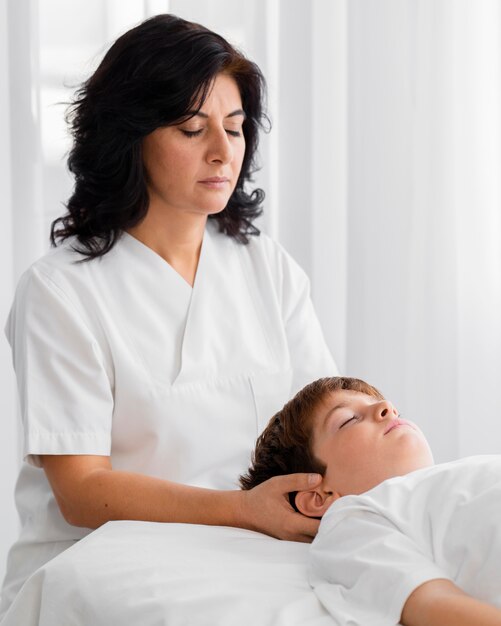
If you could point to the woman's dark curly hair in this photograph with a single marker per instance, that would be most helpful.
(156, 74)
(284, 447)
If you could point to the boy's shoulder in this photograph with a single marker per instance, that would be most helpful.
(432, 489)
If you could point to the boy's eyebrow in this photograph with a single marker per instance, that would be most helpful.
(330, 412)
(205, 116)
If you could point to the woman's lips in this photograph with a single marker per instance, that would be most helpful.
(396, 423)
(215, 182)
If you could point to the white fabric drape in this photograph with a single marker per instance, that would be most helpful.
(424, 269)
(381, 173)
(9, 428)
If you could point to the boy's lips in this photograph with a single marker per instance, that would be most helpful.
(396, 423)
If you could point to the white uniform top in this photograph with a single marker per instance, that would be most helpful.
(373, 550)
(120, 356)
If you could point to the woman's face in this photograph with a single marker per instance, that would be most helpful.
(193, 167)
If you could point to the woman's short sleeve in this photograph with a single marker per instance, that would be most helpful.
(64, 388)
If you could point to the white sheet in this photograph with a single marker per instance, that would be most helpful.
(149, 574)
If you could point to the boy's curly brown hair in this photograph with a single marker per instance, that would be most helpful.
(284, 447)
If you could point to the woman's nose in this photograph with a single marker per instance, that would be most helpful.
(385, 410)
(219, 149)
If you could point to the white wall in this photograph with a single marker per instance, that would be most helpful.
(8, 441)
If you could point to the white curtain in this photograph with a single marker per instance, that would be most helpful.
(381, 173)
(424, 267)
(8, 438)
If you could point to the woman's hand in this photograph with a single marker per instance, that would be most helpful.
(90, 493)
(266, 508)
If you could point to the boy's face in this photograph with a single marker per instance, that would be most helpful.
(362, 441)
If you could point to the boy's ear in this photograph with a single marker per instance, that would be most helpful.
(314, 503)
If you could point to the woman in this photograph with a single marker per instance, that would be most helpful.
(154, 342)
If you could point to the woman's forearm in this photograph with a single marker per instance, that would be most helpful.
(90, 493)
(116, 495)
(442, 603)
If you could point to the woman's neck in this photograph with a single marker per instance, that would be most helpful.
(178, 241)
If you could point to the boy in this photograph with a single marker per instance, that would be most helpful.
(403, 539)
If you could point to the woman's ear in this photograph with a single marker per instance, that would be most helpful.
(314, 503)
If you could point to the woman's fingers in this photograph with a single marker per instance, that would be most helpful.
(296, 482)
(305, 529)
(268, 510)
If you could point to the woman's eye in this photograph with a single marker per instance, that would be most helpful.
(195, 133)
(348, 421)
(191, 133)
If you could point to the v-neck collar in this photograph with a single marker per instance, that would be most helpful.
(148, 253)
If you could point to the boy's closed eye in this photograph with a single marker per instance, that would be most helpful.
(355, 417)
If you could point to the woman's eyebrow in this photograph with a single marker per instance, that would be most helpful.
(237, 112)
(205, 116)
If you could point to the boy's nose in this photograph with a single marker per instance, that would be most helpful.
(386, 410)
